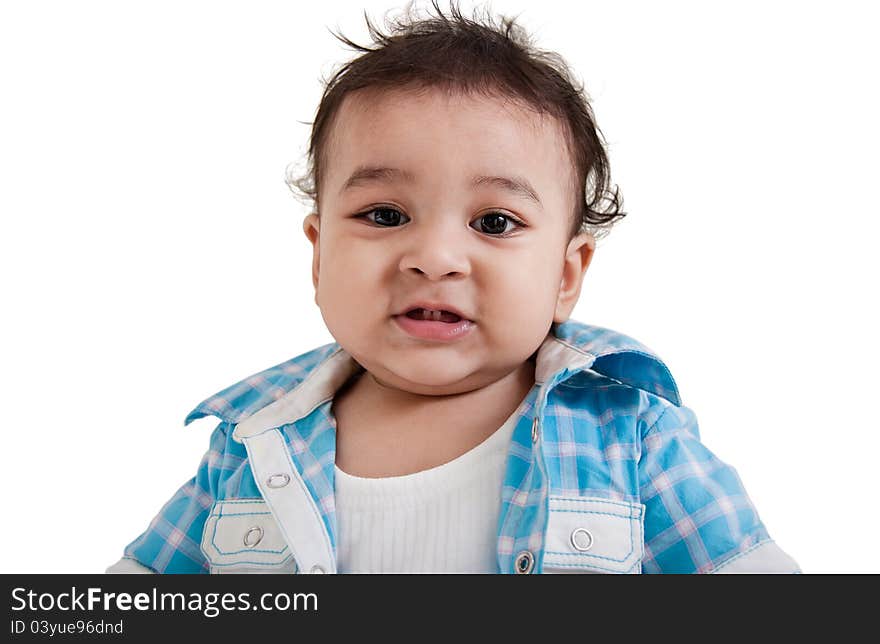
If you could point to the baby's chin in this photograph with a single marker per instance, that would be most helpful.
(426, 381)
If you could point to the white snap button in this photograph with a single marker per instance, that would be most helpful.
(278, 480)
(535, 430)
(253, 536)
(581, 539)
(317, 570)
(524, 563)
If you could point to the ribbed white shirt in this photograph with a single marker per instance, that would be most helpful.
(443, 520)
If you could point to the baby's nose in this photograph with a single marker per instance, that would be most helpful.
(436, 256)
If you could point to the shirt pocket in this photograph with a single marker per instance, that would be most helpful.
(594, 535)
(242, 536)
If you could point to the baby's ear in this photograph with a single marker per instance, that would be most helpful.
(578, 256)
(312, 229)
(312, 226)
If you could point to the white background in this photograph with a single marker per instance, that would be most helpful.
(152, 253)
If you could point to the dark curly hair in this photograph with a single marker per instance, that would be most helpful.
(471, 56)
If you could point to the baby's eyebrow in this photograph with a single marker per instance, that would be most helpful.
(369, 174)
(514, 185)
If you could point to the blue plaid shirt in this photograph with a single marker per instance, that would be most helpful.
(605, 471)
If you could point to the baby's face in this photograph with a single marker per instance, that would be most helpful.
(425, 232)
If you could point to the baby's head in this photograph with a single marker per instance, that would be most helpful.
(452, 166)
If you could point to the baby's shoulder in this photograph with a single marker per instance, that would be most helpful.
(585, 351)
(249, 395)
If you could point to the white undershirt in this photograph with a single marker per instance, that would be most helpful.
(444, 519)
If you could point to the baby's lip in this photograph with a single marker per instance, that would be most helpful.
(435, 306)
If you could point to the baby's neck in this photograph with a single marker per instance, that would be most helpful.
(383, 431)
(504, 394)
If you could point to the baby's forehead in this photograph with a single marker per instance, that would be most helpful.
(434, 131)
(387, 105)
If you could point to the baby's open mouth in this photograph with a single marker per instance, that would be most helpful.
(436, 316)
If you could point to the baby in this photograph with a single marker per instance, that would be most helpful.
(461, 422)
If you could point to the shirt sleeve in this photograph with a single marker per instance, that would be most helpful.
(698, 517)
(172, 541)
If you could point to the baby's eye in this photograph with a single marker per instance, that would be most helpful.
(495, 223)
(384, 216)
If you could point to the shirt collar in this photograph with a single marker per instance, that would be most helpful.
(293, 389)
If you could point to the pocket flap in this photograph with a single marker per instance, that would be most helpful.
(590, 534)
(242, 534)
